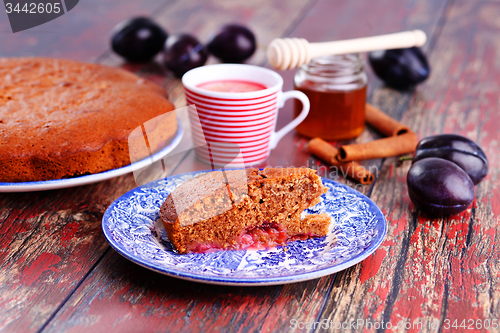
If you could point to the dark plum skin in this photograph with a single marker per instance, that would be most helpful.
(232, 43)
(138, 39)
(183, 53)
(457, 149)
(400, 68)
(439, 187)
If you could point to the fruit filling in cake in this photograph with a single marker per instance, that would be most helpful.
(244, 209)
(257, 238)
(264, 236)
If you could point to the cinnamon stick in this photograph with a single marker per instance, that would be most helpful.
(386, 147)
(383, 123)
(328, 153)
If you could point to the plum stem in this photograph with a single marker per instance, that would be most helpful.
(402, 159)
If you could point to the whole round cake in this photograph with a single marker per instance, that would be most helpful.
(62, 119)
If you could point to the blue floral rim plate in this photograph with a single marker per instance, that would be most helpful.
(93, 178)
(132, 226)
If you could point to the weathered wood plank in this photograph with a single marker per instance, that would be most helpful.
(439, 270)
(81, 34)
(178, 18)
(353, 20)
(50, 240)
(346, 20)
(120, 295)
(201, 20)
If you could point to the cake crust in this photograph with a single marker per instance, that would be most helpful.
(61, 118)
(218, 209)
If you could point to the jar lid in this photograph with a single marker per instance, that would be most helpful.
(334, 72)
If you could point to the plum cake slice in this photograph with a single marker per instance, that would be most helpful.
(240, 209)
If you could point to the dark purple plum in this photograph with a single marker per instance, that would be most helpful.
(457, 149)
(400, 68)
(138, 39)
(439, 187)
(232, 43)
(183, 53)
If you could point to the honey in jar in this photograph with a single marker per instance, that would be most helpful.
(336, 88)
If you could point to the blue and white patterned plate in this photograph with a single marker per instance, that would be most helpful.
(133, 227)
(44, 185)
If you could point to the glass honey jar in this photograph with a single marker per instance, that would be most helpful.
(336, 88)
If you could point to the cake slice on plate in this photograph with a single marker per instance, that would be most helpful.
(239, 209)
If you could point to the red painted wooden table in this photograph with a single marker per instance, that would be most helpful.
(59, 274)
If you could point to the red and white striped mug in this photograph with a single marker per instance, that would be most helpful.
(237, 128)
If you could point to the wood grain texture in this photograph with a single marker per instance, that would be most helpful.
(342, 20)
(83, 312)
(58, 273)
(121, 295)
(202, 18)
(350, 19)
(436, 271)
(81, 34)
(50, 240)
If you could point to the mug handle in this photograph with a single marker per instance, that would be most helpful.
(277, 136)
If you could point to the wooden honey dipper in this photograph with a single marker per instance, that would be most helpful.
(289, 53)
